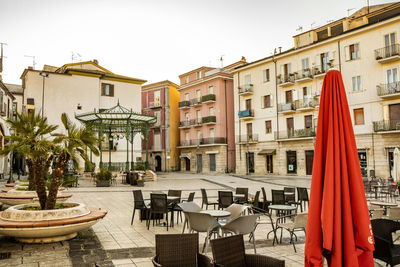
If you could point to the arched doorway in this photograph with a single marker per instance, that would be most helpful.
(158, 163)
(187, 164)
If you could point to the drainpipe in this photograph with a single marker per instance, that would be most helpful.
(340, 60)
(240, 146)
(226, 131)
(276, 100)
(164, 106)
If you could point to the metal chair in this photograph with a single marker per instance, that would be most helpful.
(278, 197)
(188, 207)
(245, 225)
(158, 205)
(230, 251)
(302, 197)
(266, 203)
(244, 191)
(385, 250)
(203, 223)
(179, 250)
(264, 218)
(205, 199)
(172, 204)
(290, 195)
(190, 197)
(299, 224)
(225, 199)
(138, 203)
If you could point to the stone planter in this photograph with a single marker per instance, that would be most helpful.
(15, 197)
(103, 184)
(46, 226)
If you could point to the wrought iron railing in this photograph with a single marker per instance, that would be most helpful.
(303, 74)
(246, 113)
(195, 101)
(186, 123)
(185, 103)
(245, 88)
(388, 89)
(154, 105)
(203, 141)
(386, 125)
(209, 119)
(209, 97)
(286, 78)
(247, 138)
(286, 107)
(387, 51)
(306, 103)
(322, 69)
(295, 133)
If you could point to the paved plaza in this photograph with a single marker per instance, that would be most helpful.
(115, 242)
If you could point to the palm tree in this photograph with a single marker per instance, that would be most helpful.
(69, 147)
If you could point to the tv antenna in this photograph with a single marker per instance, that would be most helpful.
(348, 11)
(33, 60)
(299, 29)
(222, 61)
(76, 56)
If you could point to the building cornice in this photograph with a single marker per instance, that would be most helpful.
(203, 80)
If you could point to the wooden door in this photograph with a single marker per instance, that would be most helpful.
(248, 104)
(394, 116)
(270, 164)
(309, 161)
(288, 96)
(290, 126)
(249, 129)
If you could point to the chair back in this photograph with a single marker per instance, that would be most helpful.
(158, 203)
(377, 213)
(201, 222)
(302, 194)
(177, 249)
(244, 191)
(225, 198)
(189, 207)
(384, 228)
(175, 193)
(229, 251)
(278, 197)
(394, 213)
(204, 196)
(236, 210)
(242, 225)
(191, 197)
(256, 199)
(138, 199)
(291, 196)
(300, 220)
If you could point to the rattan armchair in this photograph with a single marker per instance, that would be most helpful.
(230, 252)
(385, 249)
(179, 250)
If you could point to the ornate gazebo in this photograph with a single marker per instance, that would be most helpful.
(118, 120)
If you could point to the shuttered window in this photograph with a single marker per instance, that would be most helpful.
(107, 89)
(266, 101)
(359, 116)
(268, 127)
(308, 121)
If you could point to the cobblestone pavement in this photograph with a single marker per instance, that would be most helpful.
(115, 242)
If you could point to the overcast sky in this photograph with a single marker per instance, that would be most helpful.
(155, 39)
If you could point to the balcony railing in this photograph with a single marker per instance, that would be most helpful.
(388, 89)
(387, 53)
(247, 138)
(184, 104)
(209, 119)
(247, 113)
(203, 141)
(195, 101)
(245, 89)
(286, 107)
(306, 104)
(319, 71)
(304, 75)
(295, 133)
(208, 98)
(198, 122)
(186, 123)
(386, 125)
(154, 105)
(286, 79)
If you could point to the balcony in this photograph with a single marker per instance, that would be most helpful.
(197, 122)
(247, 139)
(209, 120)
(203, 142)
(287, 107)
(195, 102)
(320, 71)
(154, 105)
(387, 125)
(184, 104)
(306, 104)
(210, 98)
(286, 80)
(305, 133)
(246, 89)
(246, 114)
(388, 90)
(186, 124)
(304, 76)
(388, 53)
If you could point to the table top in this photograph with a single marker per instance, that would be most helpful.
(172, 198)
(381, 203)
(217, 213)
(238, 195)
(288, 193)
(281, 207)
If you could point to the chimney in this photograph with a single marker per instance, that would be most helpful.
(280, 49)
(95, 61)
(30, 68)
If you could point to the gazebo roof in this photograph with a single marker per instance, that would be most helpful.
(115, 118)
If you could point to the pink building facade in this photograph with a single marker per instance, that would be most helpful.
(206, 124)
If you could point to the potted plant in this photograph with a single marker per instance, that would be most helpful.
(140, 181)
(103, 178)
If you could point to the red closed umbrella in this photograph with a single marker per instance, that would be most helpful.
(338, 224)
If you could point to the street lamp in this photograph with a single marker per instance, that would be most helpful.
(10, 178)
(44, 75)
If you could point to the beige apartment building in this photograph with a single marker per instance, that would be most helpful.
(277, 98)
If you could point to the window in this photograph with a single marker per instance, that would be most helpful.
(266, 101)
(211, 111)
(356, 80)
(199, 75)
(324, 61)
(248, 104)
(157, 114)
(266, 75)
(286, 70)
(187, 116)
(212, 163)
(107, 89)
(247, 79)
(308, 121)
(157, 98)
(29, 101)
(187, 136)
(187, 97)
(211, 90)
(187, 79)
(211, 132)
(352, 52)
(305, 64)
(198, 115)
(198, 135)
(391, 76)
(359, 116)
(14, 110)
(268, 127)
(198, 95)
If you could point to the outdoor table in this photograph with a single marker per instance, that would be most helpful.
(217, 213)
(279, 208)
(384, 205)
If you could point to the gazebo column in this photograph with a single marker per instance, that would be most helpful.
(101, 150)
(127, 150)
(146, 136)
(132, 162)
(109, 149)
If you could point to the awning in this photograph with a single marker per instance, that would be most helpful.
(267, 152)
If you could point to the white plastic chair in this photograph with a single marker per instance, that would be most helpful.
(188, 207)
(236, 210)
(299, 224)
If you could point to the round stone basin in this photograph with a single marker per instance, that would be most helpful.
(16, 213)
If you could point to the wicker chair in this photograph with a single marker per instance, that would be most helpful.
(385, 250)
(290, 195)
(266, 202)
(230, 252)
(225, 199)
(158, 205)
(138, 203)
(179, 250)
(172, 205)
(188, 207)
(299, 224)
(302, 197)
(205, 199)
(244, 191)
